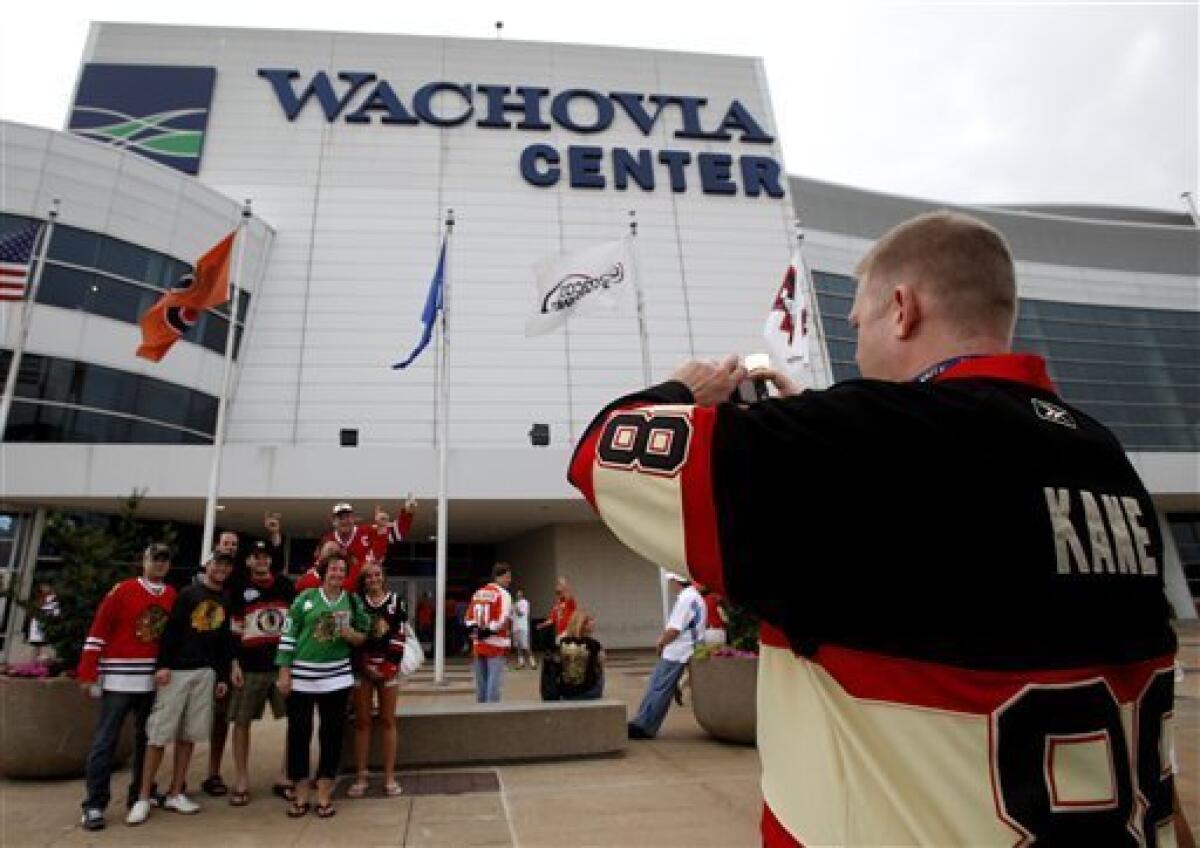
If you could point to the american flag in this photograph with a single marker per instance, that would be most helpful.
(16, 256)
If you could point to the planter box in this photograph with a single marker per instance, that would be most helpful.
(47, 728)
(725, 697)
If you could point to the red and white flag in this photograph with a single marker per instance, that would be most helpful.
(788, 328)
(16, 259)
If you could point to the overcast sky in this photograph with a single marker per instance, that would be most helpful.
(967, 102)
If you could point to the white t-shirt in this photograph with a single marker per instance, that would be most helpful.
(689, 618)
(521, 615)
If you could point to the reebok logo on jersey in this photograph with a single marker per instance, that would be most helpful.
(1053, 414)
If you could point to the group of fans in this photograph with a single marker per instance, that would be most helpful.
(189, 664)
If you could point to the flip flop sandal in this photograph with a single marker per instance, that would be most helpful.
(282, 790)
(393, 790)
(325, 811)
(357, 789)
(214, 786)
(296, 811)
(239, 798)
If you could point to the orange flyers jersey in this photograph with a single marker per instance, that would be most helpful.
(491, 609)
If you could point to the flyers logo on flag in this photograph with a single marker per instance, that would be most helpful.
(178, 310)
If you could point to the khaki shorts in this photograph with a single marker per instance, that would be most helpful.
(248, 703)
(183, 708)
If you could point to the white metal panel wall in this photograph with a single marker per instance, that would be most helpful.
(358, 210)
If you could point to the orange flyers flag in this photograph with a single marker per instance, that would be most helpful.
(177, 311)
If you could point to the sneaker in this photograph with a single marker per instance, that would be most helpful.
(181, 804)
(635, 731)
(93, 819)
(139, 812)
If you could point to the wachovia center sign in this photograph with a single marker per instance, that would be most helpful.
(359, 97)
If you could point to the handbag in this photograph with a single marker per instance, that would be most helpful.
(414, 656)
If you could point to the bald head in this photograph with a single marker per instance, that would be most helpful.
(962, 265)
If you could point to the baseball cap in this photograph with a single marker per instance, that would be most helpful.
(159, 551)
(260, 547)
(342, 507)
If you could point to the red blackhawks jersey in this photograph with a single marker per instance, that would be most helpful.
(122, 645)
(491, 609)
(362, 540)
(965, 640)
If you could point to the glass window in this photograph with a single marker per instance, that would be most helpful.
(124, 259)
(64, 287)
(71, 244)
(202, 413)
(97, 427)
(161, 401)
(61, 379)
(107, 388)
(114, 299)
(213, 331)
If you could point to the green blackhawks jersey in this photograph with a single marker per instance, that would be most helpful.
(318, 657)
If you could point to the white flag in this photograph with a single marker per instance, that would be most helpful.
(594, 278)
(788, 328)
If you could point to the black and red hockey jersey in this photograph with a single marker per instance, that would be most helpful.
(384, 646)
(257, 612)
(966, 640)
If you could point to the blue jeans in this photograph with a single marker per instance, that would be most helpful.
(489, 677)
(114, 706)
(657, 699)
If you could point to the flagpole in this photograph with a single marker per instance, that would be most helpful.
(214, 474)
(814, 312)
(14, 367)
(439, 643)
(641, 316)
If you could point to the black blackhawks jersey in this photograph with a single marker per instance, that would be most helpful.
(258, 611)
(965, 641)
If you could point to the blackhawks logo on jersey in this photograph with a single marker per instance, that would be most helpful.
(325, 630)
(379, 626)
(148, 626)
(208, 615)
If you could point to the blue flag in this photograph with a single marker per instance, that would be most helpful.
(433, 305)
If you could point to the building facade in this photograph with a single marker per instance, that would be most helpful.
(352, 150)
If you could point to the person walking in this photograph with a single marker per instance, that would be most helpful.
(684, 631)
(378, 665)
(192, 668)
(321, 629)
(258, 611)
(489, 621)
(117, 666)
(521, 643)
(959, 575)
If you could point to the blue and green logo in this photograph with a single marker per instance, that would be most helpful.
(158, 111)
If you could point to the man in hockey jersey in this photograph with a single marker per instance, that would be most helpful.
(119, 653)
(227, 542)
(965, 637)
(192, 668)
(257, 612)
(360, 539)
(489, 621)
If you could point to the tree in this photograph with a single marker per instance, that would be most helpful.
(94, 559)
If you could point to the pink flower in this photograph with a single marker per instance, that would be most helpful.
(29, 669)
